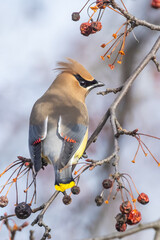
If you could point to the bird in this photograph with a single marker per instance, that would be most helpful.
(58, 125)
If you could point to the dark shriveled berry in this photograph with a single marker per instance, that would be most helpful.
(75, 16)
(107, 183)
(23, 210)
(99, 200)
(67, 199)
(143, 198)
(121, 218)
(3, 201)
(96, 26)
(121, 227)
(75, 190)
(126, 207)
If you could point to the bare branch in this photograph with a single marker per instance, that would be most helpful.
(155, 225)
(156, 63)
(111, 111)
(7, 216)
(157, 234)
(39, 218)
(110, 90)
(94, 135)
(138, 70)
(106, 160)
(136, 21)
(31, 237)
(38, 208)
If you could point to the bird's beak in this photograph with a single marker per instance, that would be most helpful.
(95, 84)
(99, 84)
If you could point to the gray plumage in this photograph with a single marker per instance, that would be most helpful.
(59, 121)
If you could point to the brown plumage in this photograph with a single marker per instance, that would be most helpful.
(74, 67)
(60, 120)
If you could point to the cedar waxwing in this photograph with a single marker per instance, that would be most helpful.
(58, 130)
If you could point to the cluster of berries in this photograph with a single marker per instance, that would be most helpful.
(21, 167)
(67, 198)
(22, 210)
(128, 214)
(91, 26)
(94, 25)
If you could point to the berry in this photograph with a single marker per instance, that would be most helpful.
(86, 29)
(75, 16)
(126, 207)
(121, 227)
(121, 218)
(143, 198)
(155, 3)
(3, 201)
(134, 217)
(23, 210)
(67, 199)
(96, 26)
(102, 3)
(75, 190)
(107, 183)
(99, 200)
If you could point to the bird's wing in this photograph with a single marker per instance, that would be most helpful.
(73, 136)
(37, 133)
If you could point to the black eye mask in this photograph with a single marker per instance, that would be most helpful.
(84, 83)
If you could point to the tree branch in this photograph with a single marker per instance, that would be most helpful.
(136, 21)
(154, 225)
(124, 90)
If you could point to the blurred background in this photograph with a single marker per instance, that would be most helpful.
(34, 35)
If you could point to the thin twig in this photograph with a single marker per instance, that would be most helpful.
(156, 63)
(39, 218)
(110, 90)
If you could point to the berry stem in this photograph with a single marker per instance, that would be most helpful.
(115, 10)
(147, 135)
(124, 5)
(84, 6)
(132, 182)
(136, 153)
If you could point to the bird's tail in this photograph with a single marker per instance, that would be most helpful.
(64, 179)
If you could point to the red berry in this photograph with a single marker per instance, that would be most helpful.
(96, 26)
(155, 3)
(126, 207)
(143, 198)
(86, 29)
(121, 227)
(134, 217)
(107, 183)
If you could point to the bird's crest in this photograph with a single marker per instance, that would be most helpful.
(74, 67)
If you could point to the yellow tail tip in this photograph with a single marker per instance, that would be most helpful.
(63, 186)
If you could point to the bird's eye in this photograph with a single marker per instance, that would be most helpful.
(82, 83)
